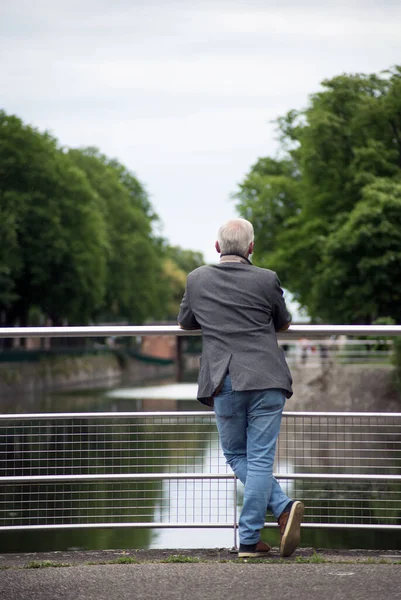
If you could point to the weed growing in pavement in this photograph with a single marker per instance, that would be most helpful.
(44, 564)
(180, 558)
(314, 559)
(124, 560)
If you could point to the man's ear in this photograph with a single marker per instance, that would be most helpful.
(217, 246)
(251, 246)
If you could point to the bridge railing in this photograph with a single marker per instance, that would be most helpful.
(295, 331)
(165, 469)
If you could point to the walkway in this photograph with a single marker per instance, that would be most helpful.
(212, 574)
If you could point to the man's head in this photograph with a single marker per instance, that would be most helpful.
(235, 237)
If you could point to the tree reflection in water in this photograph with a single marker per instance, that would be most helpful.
(141, 445)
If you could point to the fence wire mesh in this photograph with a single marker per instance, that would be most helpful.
(167, 470)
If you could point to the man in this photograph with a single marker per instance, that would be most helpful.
(244, 376)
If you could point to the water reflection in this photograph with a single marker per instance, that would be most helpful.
(305, 446)
(195, 501)
(80, 446)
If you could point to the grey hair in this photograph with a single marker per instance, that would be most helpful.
(235, 236)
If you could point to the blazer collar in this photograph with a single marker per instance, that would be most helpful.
(226, 258)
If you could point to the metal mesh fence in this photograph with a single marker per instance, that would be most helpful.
(114, 443)
(167, 470)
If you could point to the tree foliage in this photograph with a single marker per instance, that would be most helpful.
(77, 239)
(133, 258)
(52, 237)
(177, 264)
(327, 216)
(186, 260)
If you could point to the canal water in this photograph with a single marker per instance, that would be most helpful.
(179, 397)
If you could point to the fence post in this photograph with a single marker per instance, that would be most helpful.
(235, 513)
(180, 359)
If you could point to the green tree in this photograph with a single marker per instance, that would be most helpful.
(135, 255)
(10, 256)
(186, 260)
(334, 243)
(53, 236)
(77, 237)
(268, 197)
(174, 280)
(359, 272)
(177, 264)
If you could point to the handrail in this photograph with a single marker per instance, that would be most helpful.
(140, 476)
(179, 414)
(48, 480)
(140, 330)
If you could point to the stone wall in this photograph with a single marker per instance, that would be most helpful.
(69, 372)
(344, 388)
(316, 387)
(161, 346)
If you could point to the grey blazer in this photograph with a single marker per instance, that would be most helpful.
(239, 308)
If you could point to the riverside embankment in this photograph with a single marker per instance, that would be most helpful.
(27, 375)
(317, 387)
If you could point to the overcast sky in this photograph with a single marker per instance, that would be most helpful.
(183, 92)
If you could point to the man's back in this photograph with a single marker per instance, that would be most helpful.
(239, 308)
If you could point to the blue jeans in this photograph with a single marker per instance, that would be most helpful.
(249, 423)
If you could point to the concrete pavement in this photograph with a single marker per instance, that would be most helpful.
(223, 581)
(213, 573)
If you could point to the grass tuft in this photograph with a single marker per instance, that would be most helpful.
(124, 560)
(180, 558)
(44, 564)
(317, 558)
(314, 559)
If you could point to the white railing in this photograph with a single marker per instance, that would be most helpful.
(140, 330)
(85, 470)
(165, 469)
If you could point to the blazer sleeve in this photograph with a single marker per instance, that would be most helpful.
(186, 318)
(281, 316)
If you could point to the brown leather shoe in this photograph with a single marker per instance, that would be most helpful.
(258, 550)
(290, 528)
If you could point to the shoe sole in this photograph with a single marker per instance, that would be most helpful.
(292, 533)
(252, 554)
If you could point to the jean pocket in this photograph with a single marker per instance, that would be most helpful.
(224, 405)
(272, 400)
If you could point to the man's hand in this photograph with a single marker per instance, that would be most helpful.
(188, 328)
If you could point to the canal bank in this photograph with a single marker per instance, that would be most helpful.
(26, 376)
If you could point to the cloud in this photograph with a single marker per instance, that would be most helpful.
(183, 93)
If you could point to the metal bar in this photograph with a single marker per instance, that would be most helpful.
(139, 330)
(340, 414)
(338, 476)
(94, 331)
(198, 413)
(341, 526)
(185, 476)
(235, 512)
(114, 477)
(89, 493)
(105, 415)
(153, 525)
(179, 360)
(106, 525)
